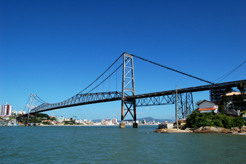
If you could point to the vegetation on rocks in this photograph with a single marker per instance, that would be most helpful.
(197, 119)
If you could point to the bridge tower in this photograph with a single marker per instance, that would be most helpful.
(128, 89)
(32, 104)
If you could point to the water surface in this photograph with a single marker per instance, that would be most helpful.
(110, 144)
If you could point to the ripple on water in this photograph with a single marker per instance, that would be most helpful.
(115, 145)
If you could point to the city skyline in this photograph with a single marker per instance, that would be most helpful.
(55, 49)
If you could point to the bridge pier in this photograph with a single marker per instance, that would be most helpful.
(135, 125)
(122, 125)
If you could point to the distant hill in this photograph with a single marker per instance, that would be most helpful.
(147, 119)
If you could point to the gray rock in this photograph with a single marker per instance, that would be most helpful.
(243, 129)
(211, 129)
(235, 129)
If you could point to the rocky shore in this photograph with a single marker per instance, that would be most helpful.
(206, 129)
(173, 131)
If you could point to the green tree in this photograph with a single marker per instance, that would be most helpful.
(197, 119)
(43, 115)
(221, 108)
(53, 119)
(46, 123)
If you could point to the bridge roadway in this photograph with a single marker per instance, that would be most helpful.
(148, 99)
(190, 89)
(168, 97)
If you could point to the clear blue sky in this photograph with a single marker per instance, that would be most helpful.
(56, 48)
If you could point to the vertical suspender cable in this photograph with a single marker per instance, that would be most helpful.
(109, 81)
(102, 73)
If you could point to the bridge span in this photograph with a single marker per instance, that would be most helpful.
(147, 99)
(130, 100)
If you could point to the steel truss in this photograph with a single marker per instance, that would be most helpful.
(128, 88)
(156, 100)
(185, 104)
(80, 99)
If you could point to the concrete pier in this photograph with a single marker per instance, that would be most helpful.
(122, 125)
(135, 125)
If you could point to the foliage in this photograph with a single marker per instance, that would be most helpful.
(69, 122)
(33, 120)
(197, 119)
(46, 123)
(221, 108)
(241, 87)
(42, 115)
(38, 118)
(53, 119)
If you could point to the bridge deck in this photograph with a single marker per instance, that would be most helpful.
(190, 89)
(92, 98)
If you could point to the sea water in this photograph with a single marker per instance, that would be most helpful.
(110, 144)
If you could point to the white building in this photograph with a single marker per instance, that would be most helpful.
(97, 123)
(114, 121)
(59, 119)
(14, 112)
(6, 110)
(79, 121)
(207, 106)
(21, 112)
(110, 122)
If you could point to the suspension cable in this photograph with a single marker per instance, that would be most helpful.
(26, 103)
(30, 103)
(41, 99)
(227, 74)
(173, 69)
(116, 77)
(109, 82)
(97, 78)
(102, 74)
(105, 79)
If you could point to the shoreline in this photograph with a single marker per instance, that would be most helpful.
(206, 129)
(93, 125)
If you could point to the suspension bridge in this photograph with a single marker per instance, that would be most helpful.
(182, 98)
